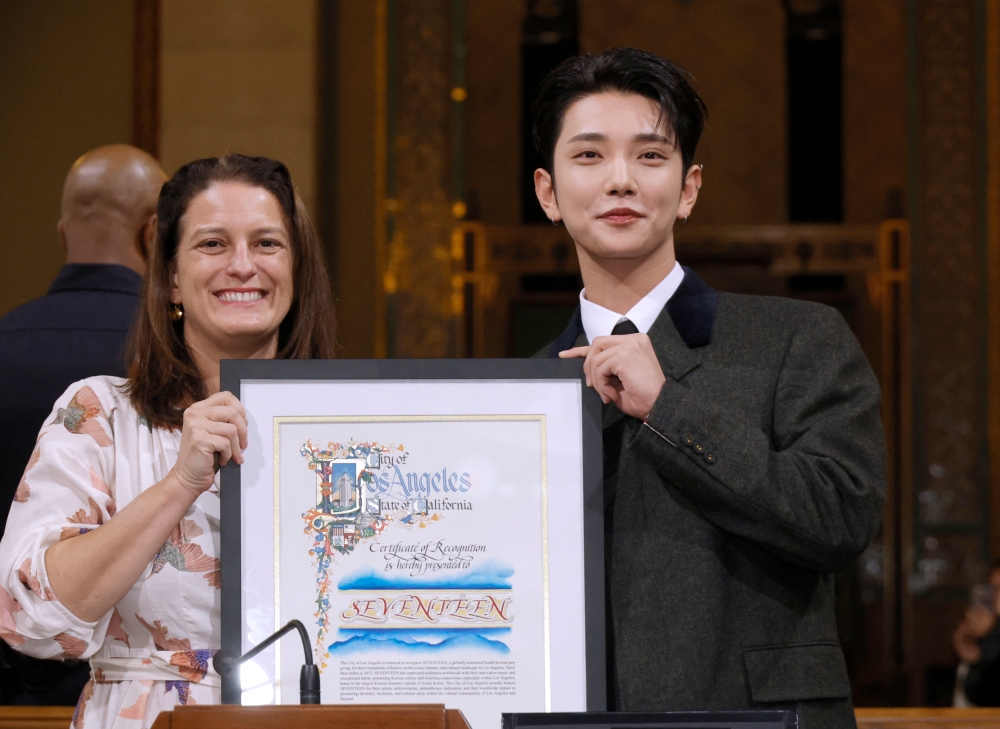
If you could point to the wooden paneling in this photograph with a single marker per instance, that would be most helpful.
(736, 52)
(874, 108)
(993, 248)
(240, 76)
(146, 76)
(928, 718)
(65, 88)
(35, 717)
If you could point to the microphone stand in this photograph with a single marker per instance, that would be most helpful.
(226, 663)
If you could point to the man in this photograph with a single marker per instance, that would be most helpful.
(744, 456)
(76, 330)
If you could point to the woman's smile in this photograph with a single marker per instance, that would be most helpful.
(240, 296)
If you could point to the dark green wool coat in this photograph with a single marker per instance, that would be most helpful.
(759, 473)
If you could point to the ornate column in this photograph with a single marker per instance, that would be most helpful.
(418, 198)
(949, 505)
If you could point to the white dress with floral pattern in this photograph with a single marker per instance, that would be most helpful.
(153, 650)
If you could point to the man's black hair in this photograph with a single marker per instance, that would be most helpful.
(621, 70)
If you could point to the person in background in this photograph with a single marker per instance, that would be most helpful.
(76, 330)
(977, 642)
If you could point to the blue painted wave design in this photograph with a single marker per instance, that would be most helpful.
(428, 641)
(490, 575)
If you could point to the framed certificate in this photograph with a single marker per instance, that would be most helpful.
(436, 524)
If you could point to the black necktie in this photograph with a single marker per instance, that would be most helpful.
(624, 327)
(613, 438)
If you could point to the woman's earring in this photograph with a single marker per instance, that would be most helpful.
(177, 313)
(555, 221)
(684, 219)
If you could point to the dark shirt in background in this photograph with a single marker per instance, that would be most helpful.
(76, 330)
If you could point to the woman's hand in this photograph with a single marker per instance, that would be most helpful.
(214, 433)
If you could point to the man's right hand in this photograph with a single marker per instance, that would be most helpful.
(216, 425)
(978, 623)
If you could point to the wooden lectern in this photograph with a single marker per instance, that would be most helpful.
(291, 716)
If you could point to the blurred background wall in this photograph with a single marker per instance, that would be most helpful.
(65, 87)
(852, 157)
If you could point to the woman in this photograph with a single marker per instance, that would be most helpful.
(112, 542)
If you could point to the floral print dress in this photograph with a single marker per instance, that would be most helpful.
(153, 650)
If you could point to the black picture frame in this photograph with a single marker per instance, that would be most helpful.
(235, 372)
(744, 719)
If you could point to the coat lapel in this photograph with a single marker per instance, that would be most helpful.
(685, 326)
(570, 336)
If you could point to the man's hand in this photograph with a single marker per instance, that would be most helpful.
(623, 370)
(978, 623)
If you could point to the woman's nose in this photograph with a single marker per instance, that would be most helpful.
(241, 263)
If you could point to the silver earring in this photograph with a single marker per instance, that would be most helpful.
(685, 219)
(554, 221)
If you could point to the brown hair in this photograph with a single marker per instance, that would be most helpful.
(162, 374)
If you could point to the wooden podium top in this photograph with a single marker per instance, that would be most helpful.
(398, 716)
(918, 718)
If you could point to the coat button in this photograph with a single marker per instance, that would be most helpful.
(688, 440)
(709, 458)
(699, 448)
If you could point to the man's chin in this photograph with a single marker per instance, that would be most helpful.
(638, 252)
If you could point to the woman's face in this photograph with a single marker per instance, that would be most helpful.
(619, 186)
(233, 271)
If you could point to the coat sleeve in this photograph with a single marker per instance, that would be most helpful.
(64, 493)
(811, 492)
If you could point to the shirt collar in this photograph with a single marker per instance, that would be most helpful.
(598, 321)
(97, 277)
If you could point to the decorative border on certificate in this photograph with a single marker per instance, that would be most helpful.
(342, 518)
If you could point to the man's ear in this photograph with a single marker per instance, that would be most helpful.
(144, 240)
(689, 193)
(61, 230)
(545, 191)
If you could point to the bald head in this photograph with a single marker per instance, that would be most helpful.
(107, 205)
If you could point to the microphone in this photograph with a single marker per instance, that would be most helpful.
(226, 663)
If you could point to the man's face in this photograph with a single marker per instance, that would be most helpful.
(618, 184)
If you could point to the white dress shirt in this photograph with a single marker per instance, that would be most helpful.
(598, 321)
